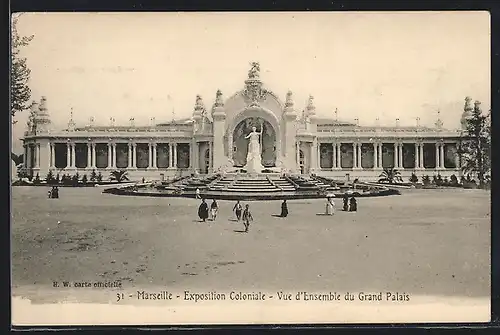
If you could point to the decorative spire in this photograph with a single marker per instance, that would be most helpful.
(132, 122)
(218, 107)
(42, 117)
(467, 113)
(253, 86)
(218, 99)
(153, 121)
(112, 121)
(289, 109)
(199, 107)
(336, 114)
(310, 105)
(173, 114)
(439, 122)
(254, 72)
(91, 121)
(377, 121)
(418, 122)
(289, 99)
(71, 122)
(356, 120)
(397, 122)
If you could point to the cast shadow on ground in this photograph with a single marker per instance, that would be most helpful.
(277, 215)
(239, 231)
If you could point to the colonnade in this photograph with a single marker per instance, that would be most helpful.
(315, 154)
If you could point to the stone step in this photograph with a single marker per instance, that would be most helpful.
(252, 190)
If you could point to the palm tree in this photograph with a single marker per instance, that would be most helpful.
(391, 176)
(118, 175)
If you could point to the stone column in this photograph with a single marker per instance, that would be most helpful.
(113, 162)
(421, 156)
(89, 155)
(211, 157)
(134, 155)
(457, 158)
(401, 166)
(437, 155)
(318, 155)
(68, 155)
(417, 165)
(175, 155)
(375, 155)
(339, 156)
(73, 155)
(170, 156)
(154, 156)
(37, 155)
(354, 156)
(150, 155)
(94, 155)
(129, 155)
(334, 156)
(441, 155)
(110, 158)
(49, 155)
(53, 156)
(396, 155)
(380, 161)
(297, 155)
(360, 166)
(230, 146)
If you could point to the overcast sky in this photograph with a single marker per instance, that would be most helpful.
(367, 65)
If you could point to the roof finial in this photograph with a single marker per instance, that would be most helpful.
(397, 122)
(336, 114)
(439, 122)
(418, 122)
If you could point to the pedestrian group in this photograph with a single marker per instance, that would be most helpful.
(244, 214)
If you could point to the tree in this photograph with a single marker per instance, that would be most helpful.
(84, 179)
(391, 176)
(475, 144)
(20, 73)
(118, 175)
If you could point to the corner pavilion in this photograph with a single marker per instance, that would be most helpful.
(214, 140)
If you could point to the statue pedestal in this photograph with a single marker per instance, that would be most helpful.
(253, 166)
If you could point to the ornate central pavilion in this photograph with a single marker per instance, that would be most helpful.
(213, 140)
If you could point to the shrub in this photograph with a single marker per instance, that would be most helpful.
(58, 179)
(99, 177)
(414, 178)
(453, 180)
(84, 179)
(37, 179)
(93, 175)
(426, 180)
(50, 178)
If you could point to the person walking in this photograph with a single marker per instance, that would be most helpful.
(213, 209)
(247, 217)
(203, 210)
(198, 196)
(284, 209)
(237, 210)
(353, 205)
(346, 203)
(330, 206)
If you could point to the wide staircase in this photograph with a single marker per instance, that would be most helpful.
(252, 184)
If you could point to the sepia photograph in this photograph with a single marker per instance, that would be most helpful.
(188, 168)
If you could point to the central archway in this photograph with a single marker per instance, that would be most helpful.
(240, 143)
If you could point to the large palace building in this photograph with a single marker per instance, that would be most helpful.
(293, 140)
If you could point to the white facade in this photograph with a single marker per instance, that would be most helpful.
(211, 140)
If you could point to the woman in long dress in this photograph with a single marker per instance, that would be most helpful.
(329, 206)
(203, 210)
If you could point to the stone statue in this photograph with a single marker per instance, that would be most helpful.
(254, 71)
(254, 159)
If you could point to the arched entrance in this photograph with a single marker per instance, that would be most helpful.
(240, 143)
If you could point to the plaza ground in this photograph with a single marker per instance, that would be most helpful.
(423, 242)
